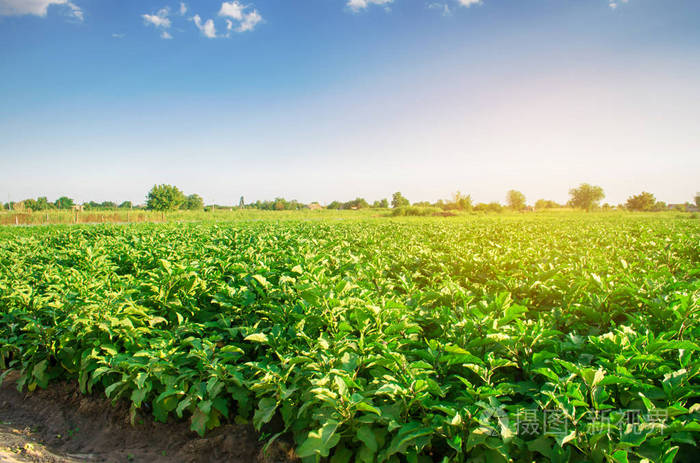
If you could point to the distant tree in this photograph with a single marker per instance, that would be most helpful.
(422, 204)
(241, 202)
(462, 202)
(165, 198)
(586, 196)
(126, 205)
(64, 202)
(43, 204)
(335, 205)
(490, 207)
(194, 202)
(697, 199)
(29, 205)
(357, 203)
(515, 200)
(384, 203)
(659, 206)
(397, 200)
(108, 205)
(644, 201)
(545, 204)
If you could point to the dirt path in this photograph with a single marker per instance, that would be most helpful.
(61, 425)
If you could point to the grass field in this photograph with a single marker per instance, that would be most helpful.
(515, 337)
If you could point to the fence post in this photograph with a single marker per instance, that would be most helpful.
(162, 216)
(75, 220)
(16, 220)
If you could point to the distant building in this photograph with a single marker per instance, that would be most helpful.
(688, 207)
(315, 206)
(77, 207)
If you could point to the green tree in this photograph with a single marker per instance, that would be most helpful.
(164, 198)
(515, 200)
(194, 202)
(586, 196)
(64, 202)
(357, 203)
(126, 205)
(463, 202)
(644, 201)
(490, 207)
(397, 200)
(697, 199)
(545, 204)
(43, 204)
(241, 202)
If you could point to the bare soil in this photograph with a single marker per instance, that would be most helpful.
(60, 425)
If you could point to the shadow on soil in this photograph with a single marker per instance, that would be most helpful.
(61, 425)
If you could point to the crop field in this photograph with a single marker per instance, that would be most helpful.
(485, 339)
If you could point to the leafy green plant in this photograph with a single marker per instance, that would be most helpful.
(376, 340)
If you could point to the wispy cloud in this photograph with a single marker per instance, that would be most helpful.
(183, 8)
(207, 28)
(165, 35)
(118, 36)
(39, 8)
(358, 5)
(444, 8)
(246, 17)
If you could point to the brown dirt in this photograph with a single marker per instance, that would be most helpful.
(61, 425)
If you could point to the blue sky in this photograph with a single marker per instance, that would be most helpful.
(334, 99)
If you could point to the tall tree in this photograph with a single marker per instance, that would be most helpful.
(64, 202)
(515, 200)
(463, 202)
(397, 200)
(644, 201)
(586, 196)
(165, 198)
(194, 202)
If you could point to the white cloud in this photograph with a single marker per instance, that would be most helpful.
(160, 19)
(118, 36)
(183, 8)
(165, 35)
(357, 5)
(232, 9)
(207, 28)
(615, 3)
(247, 20)
(38, 8)
(469, 3)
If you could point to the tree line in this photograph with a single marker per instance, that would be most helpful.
(170, 198)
